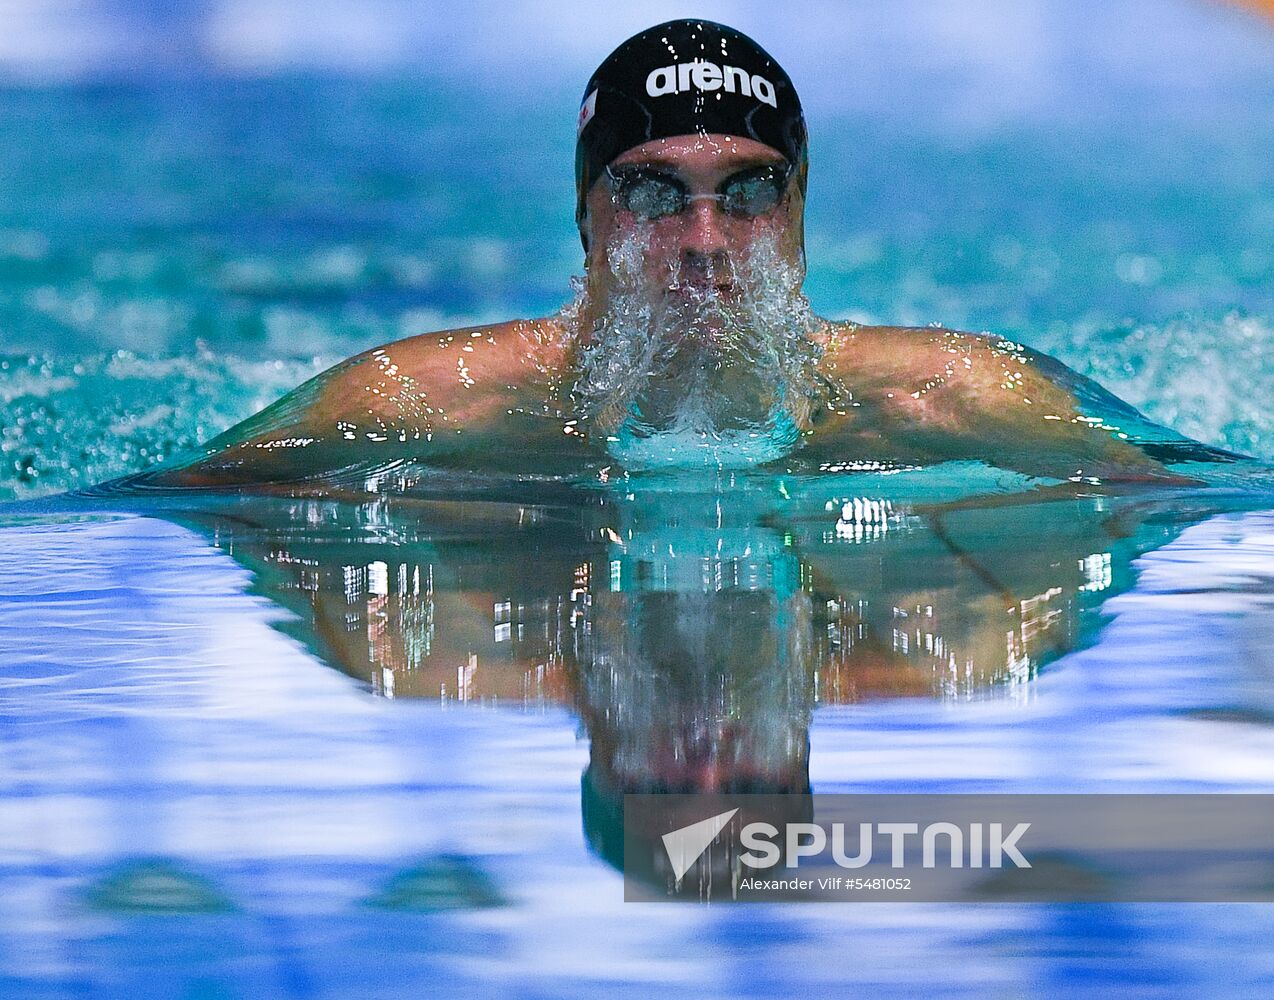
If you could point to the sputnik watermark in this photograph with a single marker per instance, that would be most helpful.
(949, 847)
(686, 846)
(763, 852)
(767, 846)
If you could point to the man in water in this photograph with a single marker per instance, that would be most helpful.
(689, 341)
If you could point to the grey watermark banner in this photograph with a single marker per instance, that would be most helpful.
(949, 848)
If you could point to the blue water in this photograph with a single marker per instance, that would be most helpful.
(246, 751)
(196, 806)
(1109, 208)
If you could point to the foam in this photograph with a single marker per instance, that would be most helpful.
(70, 423)
(1207, 378)
(685, 376)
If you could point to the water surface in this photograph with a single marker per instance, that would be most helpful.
(259, 746)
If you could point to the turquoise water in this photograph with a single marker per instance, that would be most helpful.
(1117, 219)
(297, 747)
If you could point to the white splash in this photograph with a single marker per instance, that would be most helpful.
(686, 373)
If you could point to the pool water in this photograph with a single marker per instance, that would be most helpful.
(198, 804)
(262, 746)
(175, 252)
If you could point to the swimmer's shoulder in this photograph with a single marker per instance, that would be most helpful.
(898, 347)
(420, 389)
(465, 370)
(951, 394)
(919, 366)
(441, 359)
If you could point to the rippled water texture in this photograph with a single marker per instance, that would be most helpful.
(194, 803)
(1107, 207)
(370, 741)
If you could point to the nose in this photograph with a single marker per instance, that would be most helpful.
(705, 227)
(704, 241)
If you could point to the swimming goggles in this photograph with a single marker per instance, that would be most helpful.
(653, 194)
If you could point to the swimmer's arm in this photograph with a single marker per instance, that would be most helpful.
(930, 395)
(420, 399)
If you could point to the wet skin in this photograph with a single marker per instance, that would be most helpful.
(498, 398)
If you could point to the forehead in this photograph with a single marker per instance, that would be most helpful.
(712, 153)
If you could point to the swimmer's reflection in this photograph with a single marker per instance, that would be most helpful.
(694, 632)
(481, 602)
(699, 676)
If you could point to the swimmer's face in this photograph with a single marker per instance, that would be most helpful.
(697, 205)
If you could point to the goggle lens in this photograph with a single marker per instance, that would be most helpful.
(752, 193)
(652, 194)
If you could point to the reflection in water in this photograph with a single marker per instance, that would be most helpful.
(695, 626)
(872, 596)
(152, 716)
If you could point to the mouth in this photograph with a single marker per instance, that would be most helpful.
(702, 276)
(699, 285)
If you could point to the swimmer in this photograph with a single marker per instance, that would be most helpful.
(689, 341)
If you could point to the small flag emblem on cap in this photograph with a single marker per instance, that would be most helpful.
(586, 112)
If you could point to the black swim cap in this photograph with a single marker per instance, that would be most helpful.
(685, 78)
